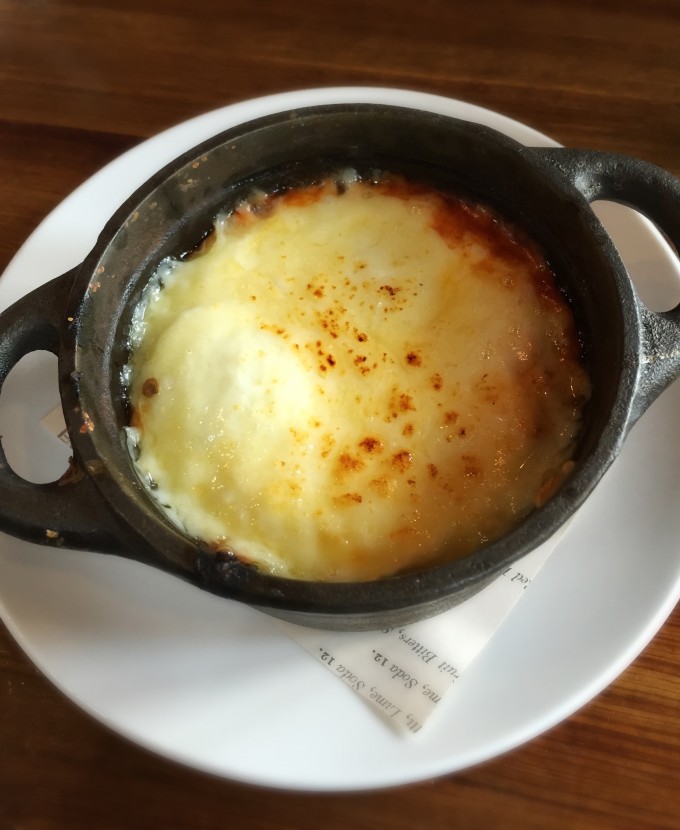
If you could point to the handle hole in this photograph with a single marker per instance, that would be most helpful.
(651, 262)
(28, 394)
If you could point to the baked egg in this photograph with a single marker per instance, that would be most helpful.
(354, 378)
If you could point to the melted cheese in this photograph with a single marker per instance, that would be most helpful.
(345, 381)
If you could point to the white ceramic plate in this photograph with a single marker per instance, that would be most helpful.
(217, 686)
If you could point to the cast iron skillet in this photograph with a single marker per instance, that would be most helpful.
(83, 317)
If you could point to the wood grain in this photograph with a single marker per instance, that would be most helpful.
(80, 82)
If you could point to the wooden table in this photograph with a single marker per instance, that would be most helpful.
(83, 80)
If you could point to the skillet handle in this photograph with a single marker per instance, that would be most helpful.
(656, 194)
(68, 512)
